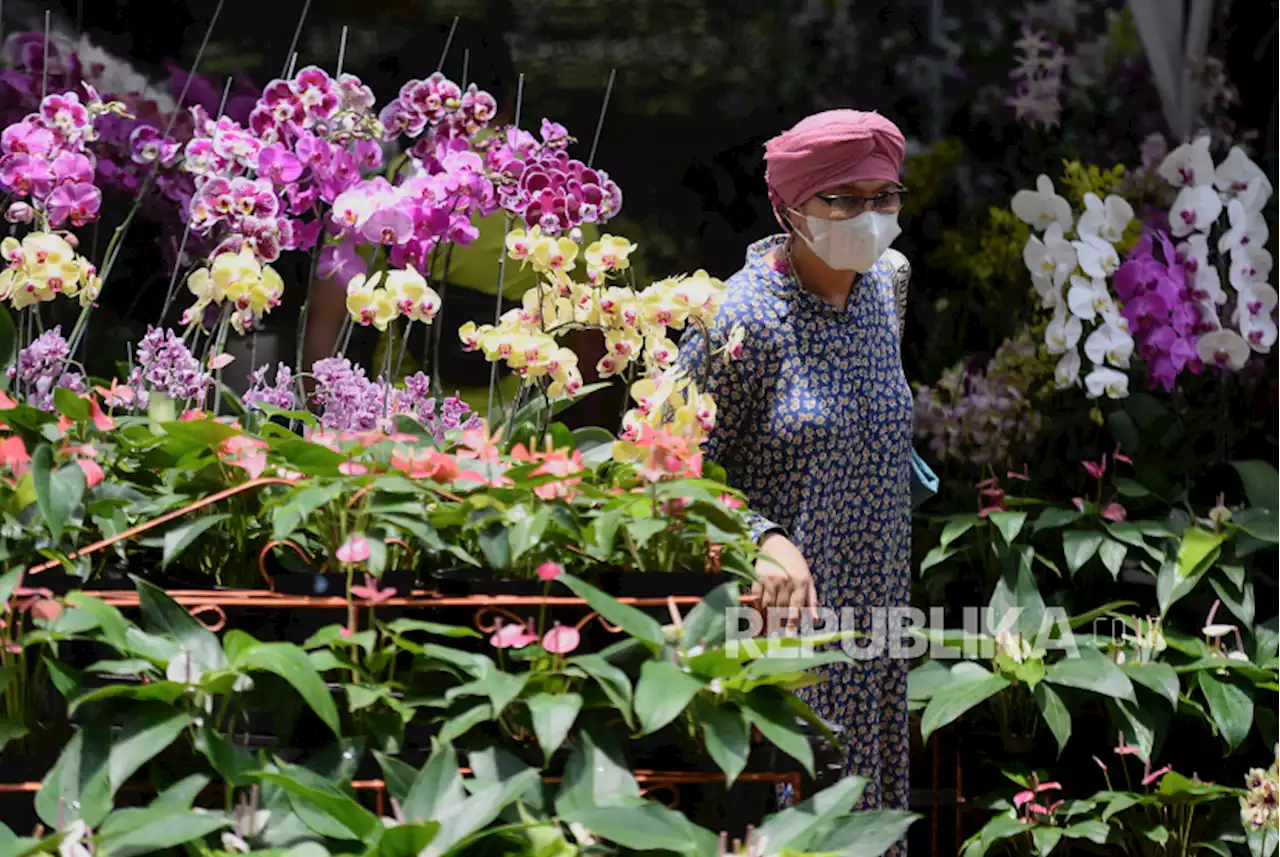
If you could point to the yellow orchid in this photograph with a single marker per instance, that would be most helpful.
(414, 298)
(555, 254)
(610, 253)
(41, 267)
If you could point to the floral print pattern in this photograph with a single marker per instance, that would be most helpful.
(814, 425)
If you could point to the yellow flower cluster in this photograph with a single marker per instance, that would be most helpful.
(240, 279)
(635, 324)
(41, 267)
(990, 255)
(1080, 179)
(380, 300)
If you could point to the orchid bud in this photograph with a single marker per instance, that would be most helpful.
(19, 212)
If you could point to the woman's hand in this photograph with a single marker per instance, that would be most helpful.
(784, 581)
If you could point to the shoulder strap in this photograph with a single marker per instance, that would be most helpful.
(901, 279)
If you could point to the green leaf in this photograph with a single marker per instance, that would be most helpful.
(1197, 550)
(1055, 713)
(792, 828)
(111, 622)
(166, 617)
(1230, 707)
(291, 664)
(70, 405)
(644, 826)
(1112, 554)
(956, 528)
(662, 693)
(553, 716)
(326, 797)
(232, 762)
(1156, 676)
(1260, 523)
(481, 809)
(970, 685)
(1131, 488)
(778, 724)
(936, 556)
(868, 833)
(1091, 671)
(705, 625)
(405, 840)
(130, 832)
(1016, 594)
(1053, 518)
(634, 622)
(78, 785)
(613, 681)
(1171, 586)
(8, 345)
(1079, 546)
(1261, 483)
(1009, 524)
(727, 731)
(1094, 830)
(58, 492)
(150, 729)
(437, 787)
(596, 774)
(180, 537)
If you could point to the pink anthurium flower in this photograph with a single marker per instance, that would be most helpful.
(1096, 469)
(561, 640)
(1113, 511)
(354, 549)
(512, 637)
(550, 570)
(370, 593)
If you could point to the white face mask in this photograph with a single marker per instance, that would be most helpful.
(854, 244)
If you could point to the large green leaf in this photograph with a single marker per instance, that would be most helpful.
(1261, 483)
(1231, 708)
(869, 833)
(130, 832)
(596, 774)
(1055, 713)
(403, 840)
(1156, 676)
(58, 492)
(645, 826)
(78, 786)
(662, 693)
(613, 681)
(1112, 554)
(111, 622)
(1091, 671)
(151, 727)
(180, 537)
(166, 617)
(777, 722)
(291, 664)
(1009, 524)
(553, 715)
(1017, 595)
(480, 810)
(233, 763)
(705, 625)
(1079, 546)
(634, 622)
(794, 827)
(727, 732)
(1199, 548)
(326, 797)
(437, 787)
(970, 685)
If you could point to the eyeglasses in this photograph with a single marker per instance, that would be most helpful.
(851, 205)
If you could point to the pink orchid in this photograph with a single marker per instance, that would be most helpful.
(512, 637)
(561, 640)
(218, 361)
(354, 549)
(549, 570)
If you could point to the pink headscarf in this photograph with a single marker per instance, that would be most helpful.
(830, 149)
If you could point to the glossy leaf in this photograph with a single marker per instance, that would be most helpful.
(58, 492)
(634, 622)
(326, 797)
(1112, 554)
(970, 685)
(166, 617)
(662, 693)
(78, 786)
(180, 537)
(1055, 713)
(1261, 483)
(794, 826)
(291, 664)
(1079, 546)
(613, 681)
(779, 725)
(1231, 708)
(1091, 671)
(1008, 523)
(727, 732)
(553, 715)
(437, 787)
(1199, 548)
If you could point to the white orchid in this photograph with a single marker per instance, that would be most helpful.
(1253, 315)
(1097, 257)
(1249, 268)
(1194, 252)
(1088, 297)
(1206, 287)
(1239, 178)
(1042, 207)
(1106, 219)
(1054, 257)
(1223, 348)
(1248, 229)
(1109, 344)
(1109, 382)
(73, 836)
(1195, 210)
(1189, 165)
(1067, 372)
(1050, 295)
(1063, 333)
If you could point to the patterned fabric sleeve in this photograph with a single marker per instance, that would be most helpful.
(736, 386)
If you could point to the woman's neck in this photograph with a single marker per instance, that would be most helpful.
(816, 276)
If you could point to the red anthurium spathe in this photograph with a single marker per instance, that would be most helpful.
(92, 472)
(425, 464)
(1096, 469)
(101, 421)
(550, 570)
(1113, 511)
(13, 455)
(512, 637)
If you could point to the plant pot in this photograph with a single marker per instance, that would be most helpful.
(335, 583)
(465, 581)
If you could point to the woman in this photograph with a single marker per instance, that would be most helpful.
(814, 419)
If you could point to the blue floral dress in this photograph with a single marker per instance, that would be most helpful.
(814, 426)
